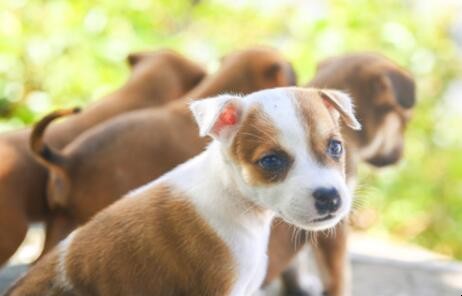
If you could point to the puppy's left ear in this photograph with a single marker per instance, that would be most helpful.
(218, 117)
(341, 103)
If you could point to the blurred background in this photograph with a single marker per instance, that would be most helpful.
(56, 53)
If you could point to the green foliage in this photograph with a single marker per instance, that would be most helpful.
(60, 53)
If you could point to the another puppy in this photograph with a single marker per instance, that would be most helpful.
(128, 151)
(384, 95)
(156, 78)
(203, 228)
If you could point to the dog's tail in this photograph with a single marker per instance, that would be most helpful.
(50, 158)
(45, 154)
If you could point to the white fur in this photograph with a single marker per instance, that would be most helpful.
(62, 279)
(241, 213)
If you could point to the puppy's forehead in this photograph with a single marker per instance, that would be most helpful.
(278, 104)
(292, 110)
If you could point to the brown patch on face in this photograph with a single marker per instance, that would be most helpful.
(258, 138)
(320, 126)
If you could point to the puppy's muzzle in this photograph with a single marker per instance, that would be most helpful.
(327, 200)
(388, 159)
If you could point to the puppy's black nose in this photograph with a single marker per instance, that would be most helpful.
(327, 200)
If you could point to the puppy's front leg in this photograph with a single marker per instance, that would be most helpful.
(332, 260)
(284, 244)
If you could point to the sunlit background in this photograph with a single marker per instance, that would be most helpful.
(59, 53)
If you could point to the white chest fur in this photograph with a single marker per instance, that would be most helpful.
(248, 242)
(244, 230)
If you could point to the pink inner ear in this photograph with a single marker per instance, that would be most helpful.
(327, 102)
(228, 117)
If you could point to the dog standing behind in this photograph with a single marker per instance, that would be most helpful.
(203, 228)
(156, 78)
(132, 149)
(384, 95)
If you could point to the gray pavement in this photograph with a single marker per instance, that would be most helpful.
(371, 276)
(380, 268)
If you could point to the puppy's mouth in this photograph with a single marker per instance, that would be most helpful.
(322, 219)
(321, 223)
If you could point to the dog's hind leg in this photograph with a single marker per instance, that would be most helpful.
(58, 226)
(291, 284)
(13, 229)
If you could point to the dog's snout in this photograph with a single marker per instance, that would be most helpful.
(327, 200)
(382, 160)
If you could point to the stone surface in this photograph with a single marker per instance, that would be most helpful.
(9, 274)
(380, 268)
(371, 276)
(386, 277)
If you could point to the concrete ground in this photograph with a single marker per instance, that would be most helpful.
(380, 268)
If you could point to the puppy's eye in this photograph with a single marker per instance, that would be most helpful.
(335, 149)
(273, 162)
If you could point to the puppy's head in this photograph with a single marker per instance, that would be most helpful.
(285, 150)
(384, 96)
(161, 64)
(259, 68)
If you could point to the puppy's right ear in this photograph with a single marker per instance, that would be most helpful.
(218, 117)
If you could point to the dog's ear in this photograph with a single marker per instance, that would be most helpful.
(279, 72)
(134, 58)
(400, 85)
(272, 71)
(218, 117)
(403, 88)
(341, 104)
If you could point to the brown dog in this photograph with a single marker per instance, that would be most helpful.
(384, 95)
(156, 78)
(129, 150)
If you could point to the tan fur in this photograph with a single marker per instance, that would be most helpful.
(157, 78)
(130, 150)
(319, 131)
(378, 88)
(157, 244)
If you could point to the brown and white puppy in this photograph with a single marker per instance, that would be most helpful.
(156, 78)
(384, 95)
(128, 151)
(203, 228)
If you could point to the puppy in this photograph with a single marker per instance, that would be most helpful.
(384, 95)
(202, 229)
(130, 150)
(156, 78)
